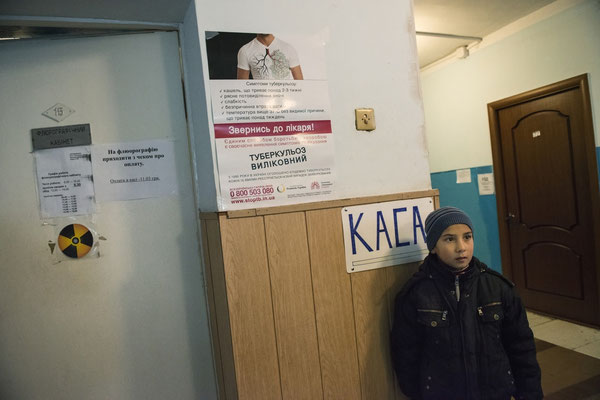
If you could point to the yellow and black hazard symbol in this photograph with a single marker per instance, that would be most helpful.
(75, 240)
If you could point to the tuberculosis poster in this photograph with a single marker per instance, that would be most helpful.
(271, 115)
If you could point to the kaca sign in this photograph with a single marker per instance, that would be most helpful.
(384, 234)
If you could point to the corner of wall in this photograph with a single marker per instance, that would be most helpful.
(197, 113)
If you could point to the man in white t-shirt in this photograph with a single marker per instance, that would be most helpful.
(268, 58)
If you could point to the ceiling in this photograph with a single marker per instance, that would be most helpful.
(474, 18)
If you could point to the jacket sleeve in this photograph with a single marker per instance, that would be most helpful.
(519, 345)
(406, 346)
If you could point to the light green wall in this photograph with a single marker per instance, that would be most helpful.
(456, 96)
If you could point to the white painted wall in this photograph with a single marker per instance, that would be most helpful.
(371, 62)
(206, 180)
(132, 323)
(456, 96)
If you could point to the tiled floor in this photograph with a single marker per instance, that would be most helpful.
(565, 334)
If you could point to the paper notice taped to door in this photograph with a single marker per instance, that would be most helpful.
(65, 182)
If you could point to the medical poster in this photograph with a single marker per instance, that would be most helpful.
(64, 179)
(272, 121)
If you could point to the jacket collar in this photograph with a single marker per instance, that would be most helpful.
(436, 269)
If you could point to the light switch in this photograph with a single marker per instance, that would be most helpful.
(365, 119)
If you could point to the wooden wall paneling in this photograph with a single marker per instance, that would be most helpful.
(250, 308)
(321, 205)
(396, 277)
(222, 345)
(436, 203)
(371, 313)
(212, 311)
(293, 306)
(333, 305)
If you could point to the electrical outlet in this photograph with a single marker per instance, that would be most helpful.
(365, 119)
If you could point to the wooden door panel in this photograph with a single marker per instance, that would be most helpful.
(545, 270)
(534, 138)
(547, 189)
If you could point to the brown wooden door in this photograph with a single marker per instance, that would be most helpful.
(544, 155)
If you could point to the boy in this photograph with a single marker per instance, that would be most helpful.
(460, 330)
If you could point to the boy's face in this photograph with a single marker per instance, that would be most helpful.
(455, 246)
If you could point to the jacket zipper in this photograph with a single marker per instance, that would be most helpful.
(496, 303)
(461, 328)
(444, 313)
(457, 288)
(480, 308)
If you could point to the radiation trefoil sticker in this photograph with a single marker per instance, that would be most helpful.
(75, 240)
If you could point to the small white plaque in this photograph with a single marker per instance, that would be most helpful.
(58, 112)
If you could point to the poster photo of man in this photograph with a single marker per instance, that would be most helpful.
(263, 56)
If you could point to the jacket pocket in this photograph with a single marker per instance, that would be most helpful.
(491, 312)
(437, 340)
(433, 318)
(495, 366)
(491, 316)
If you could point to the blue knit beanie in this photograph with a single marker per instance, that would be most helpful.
(437, 222)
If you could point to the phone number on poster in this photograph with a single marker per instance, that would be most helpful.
(250, 192)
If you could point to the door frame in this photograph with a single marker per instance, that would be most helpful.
(577, 82)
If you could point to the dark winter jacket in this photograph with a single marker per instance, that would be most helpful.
(478, 347)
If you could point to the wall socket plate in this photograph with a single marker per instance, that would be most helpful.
(365, 119)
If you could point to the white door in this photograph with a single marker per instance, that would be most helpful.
(132, 323)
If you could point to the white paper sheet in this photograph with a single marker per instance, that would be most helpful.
(65, 182)
(135, 170)
(486, 183)
(463, 175)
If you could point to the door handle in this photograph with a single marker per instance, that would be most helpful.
(510, 217)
